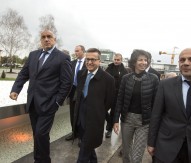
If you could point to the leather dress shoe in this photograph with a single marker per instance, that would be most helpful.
(120, 153)
(108, 134)
(79, 143)
(69, 137)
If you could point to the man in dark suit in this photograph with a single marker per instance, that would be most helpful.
(50, 79)
(77, 64)
(117, 70)
(150, 69)
(169, 139)
(95, 92)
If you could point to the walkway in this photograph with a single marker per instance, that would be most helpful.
(16, 143)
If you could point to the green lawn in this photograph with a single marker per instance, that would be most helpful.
(7, 79)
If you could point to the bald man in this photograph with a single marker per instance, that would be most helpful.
(169, 139)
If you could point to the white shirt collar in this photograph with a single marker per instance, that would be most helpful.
(94, 72)
(183, 78)
(83, 59)
(147, 69)
(50, 51)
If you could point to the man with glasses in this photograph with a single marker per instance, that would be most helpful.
(95, 90)
(50, 79)
(169, 139)
(117, 70)
(77, 64)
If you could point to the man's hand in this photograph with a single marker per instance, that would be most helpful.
(116, 128)
(13, 95)
(151, 150)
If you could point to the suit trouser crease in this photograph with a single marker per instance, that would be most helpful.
(72, 106)
(134, 138)
(41, 126)
(85, 155)
(72, 103)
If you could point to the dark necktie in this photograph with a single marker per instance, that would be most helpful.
(188, 100)
(88, 78)
(41, 60)
(77, 69)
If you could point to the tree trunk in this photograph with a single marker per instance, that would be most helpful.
(11, 69)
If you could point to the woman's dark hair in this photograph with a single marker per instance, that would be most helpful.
(134, 56)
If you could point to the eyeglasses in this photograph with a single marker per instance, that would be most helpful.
(91, 59)
(182, 60)
(116, 59)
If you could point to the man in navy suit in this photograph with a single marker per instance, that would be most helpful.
(50, 79)
(77, 64)
(169, 139)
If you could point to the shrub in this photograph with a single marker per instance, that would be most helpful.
(3, 75)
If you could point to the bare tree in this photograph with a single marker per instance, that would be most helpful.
(73, 56)
(48, 22)
(14, 35)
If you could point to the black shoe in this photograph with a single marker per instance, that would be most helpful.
(79, 143)
(120, 153)
(108, 134)
(69, 137)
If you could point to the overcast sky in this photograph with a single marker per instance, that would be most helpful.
(119, 25)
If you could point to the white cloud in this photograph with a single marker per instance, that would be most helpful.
(119, 25)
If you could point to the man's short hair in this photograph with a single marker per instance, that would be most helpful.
(46, 29)
(82, 47)
(92, 50)
(118, 55)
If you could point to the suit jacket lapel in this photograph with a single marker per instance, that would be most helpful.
(82, 80)
(74, 66)
(98, 75)
(83, 76)
(48, 59)
(179, 95)
(84, 65)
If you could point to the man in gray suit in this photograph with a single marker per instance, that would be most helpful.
(50, 79)
(169, 139)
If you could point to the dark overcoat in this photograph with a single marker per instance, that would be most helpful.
(99, 100)
(153, 71)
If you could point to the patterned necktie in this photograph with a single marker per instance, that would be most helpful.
(88, 78)
(188, 100)
(77, 69)
(41, 60)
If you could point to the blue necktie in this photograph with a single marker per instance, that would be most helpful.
(41, 60)
(77, 69)
(188, 100)
(88, 78)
